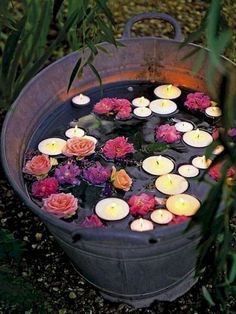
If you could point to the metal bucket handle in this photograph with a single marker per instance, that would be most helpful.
(152, 15)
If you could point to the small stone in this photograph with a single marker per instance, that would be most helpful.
(20, 214)
(55, 289)
(26, 238)
(62, 311)
(72, 295)
(34, 246)
(38, 236)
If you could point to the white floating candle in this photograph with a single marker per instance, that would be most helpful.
(161, 216)
(112, 209)
(188, 171)
(141, 225)
(197, 138)
(183, 204)
(51, 146)
(74, 132)
(157, 165)
(167, 91)
(218, 149)
(201, 162)
(183, 126)
(163, 106)
(213, 112)
(80, 100)
(140, 102)
(142, 112)
(171, 184)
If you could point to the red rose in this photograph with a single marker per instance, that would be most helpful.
(141, 204)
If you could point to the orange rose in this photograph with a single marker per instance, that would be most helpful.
(120, 179)
(61, 205)
(79, 146)
(38, 165)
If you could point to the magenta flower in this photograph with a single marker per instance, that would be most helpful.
(178, 219)
(117, 148)
(167, 133)
(232, 132)
(92, 221)
(45, 187)
(67, 174)
(104, 106)
(122, 108)
(215, 134)
(197, 101)
(97, 174)
(141, 204)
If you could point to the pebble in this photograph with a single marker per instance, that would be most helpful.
(72, 295)
(38, 236)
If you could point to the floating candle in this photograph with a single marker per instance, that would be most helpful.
(183, 204)
(218, 149)
(142, 112)
(112, 209)
(80, 100)
(197, 138)
(171, 184)
(188, 171)
(183, 126)
(201, 162)
(167, 91)
(140, 102)
(161, 216)
(141, 225)
(163, 106)
(74, 132)
(213, 112)
(51, 146)
(158, 165)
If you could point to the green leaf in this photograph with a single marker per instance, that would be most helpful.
(96, 73)
(207, 296)
(56, 7)
(199, 61)
(232, 272)
(74, 73)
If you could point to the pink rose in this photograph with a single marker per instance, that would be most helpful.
(104, 106)
(167, 133)
(38, 165)
(215, 171)
(79, 146)
(60, 205)
(117, 147)
(123, 108)
(45, 187)
(197, 101)
(141, 204)
(92, 221)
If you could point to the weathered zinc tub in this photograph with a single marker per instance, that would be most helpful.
(126, 266)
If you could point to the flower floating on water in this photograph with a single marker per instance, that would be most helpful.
(79, 146)
(92, 221)
(117, 148)
(232, 132)
(215, 171)
(216, 134)
(61, 205)
(178, 219)
(141, 204)
(97, 174)
(67, 174)
(197, 101)
(39, 165)
(167, 133)
(45, 187)
(109, 106)
(120, 179)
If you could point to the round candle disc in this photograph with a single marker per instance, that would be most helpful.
(74, 132)
(188, 171)
(161, 216)
(142, 112)
(80, 100)
(183, 126)
(171, 184)
(157, 165)
(200, 162)
(140, 102)
(51, 146)
(167, 91)
(183, 204)
(141, 225)
(219, 149)
(163, 106)
(112, 208)
(213, 112)
(197, 138)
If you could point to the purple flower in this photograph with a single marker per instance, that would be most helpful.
(232, 132)
(97, 174)
(91, 222)
(67, 174)
(197, 101)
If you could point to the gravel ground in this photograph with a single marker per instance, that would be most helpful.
(44, 264)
